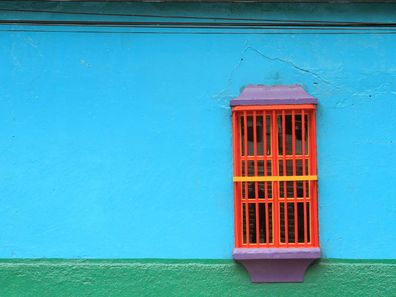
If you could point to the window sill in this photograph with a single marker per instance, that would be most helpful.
(273, 265)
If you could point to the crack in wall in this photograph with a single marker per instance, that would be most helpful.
(223, 94)
(344, 101)
(288, 63)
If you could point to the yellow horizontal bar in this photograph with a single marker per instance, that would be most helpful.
(274, 178)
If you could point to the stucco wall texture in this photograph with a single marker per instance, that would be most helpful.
(116, 142)
(187, 278)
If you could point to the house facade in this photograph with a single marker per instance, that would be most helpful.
(117, 150)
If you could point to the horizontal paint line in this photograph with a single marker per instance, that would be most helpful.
(184, 16)
(167, 262)
(198, 24)
(274, 178)
(199, 32)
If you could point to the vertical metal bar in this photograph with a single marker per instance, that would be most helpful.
(314, 202)
(265, 174)
(256, 174)
(239, 171)
(285, 212)
(240, 168)
(246, 174)
(236, 161)
(294, 174)
(304, 173)
(275, 171)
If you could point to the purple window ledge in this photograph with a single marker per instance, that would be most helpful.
(274, 265)
(271, 95)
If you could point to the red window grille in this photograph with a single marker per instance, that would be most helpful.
(275, 176)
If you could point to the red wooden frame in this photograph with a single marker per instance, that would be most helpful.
(272, 231)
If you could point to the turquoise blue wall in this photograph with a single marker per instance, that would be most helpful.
(116, 143)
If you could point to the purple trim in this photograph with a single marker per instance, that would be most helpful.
(275, 253)
(270, 95)
(276, 265)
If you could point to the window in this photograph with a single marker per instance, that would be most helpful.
(275, 181)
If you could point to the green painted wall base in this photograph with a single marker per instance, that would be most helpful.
(187, 278)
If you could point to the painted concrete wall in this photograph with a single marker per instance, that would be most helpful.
(186, 278)
(116, 143)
